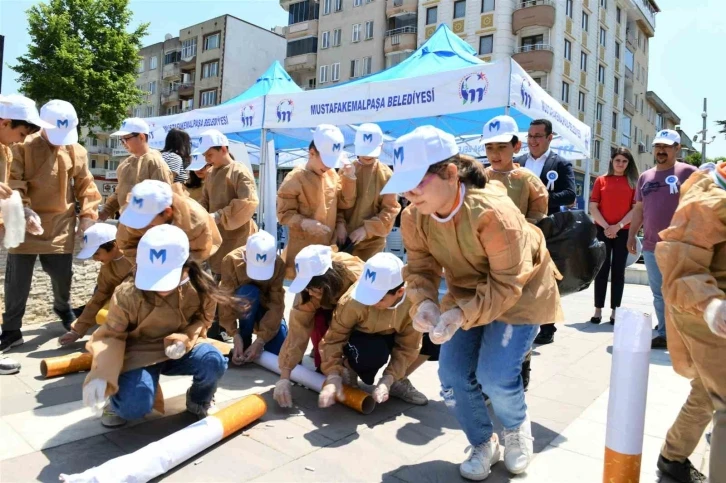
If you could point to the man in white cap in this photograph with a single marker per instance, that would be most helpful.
(255, 273)
(311, 198)
(370, 221)
(371, 323)
(153, 203)
(51, 173)
(143, 163)
(656, 200)
(229, 195)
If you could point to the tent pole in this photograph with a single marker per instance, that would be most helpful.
(261, 187)
(586, 186)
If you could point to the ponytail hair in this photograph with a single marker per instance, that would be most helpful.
(331, 283)
(471, 171)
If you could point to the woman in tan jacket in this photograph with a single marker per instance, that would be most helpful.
(501, 284)
(157, 324)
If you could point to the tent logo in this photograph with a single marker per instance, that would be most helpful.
(473, 88)
(398, 155)
(284, 110)
(370, 276)
(261, 257)
(526, 96)
(161, 254)
(248, 116)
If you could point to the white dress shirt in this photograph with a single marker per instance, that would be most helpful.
(537, 165)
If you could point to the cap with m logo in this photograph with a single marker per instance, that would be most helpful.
(160, 258)
(368, 140)
(261, 256)
(61, 115)
(147, 200)
(312, 261)
(329, 142)
(500, 129)
(381, 273)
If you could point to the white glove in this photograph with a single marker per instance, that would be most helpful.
(449, 323)
(216, 217)
(175, 350)
(282, 393)
(84, 224)
(32, 222)
(333, 387)
(427, 315)
(715, 317)
(94, 394)
(314, 227)
(380, 393)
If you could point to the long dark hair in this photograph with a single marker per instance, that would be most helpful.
(179, 142)
(331, 283)
(471, 171)
(631, 172)
(194, 181)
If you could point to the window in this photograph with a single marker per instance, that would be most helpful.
(354, 70)
(629, 59)
(431, 15)
(326, 7)
(647, 142)
(616, 86)
(626, 127)
(171, 57)
(531, 43)
(210, 69)
(597, 149)
(486, 45)
(211, 42)
(604, 3)
(581, 101)
(141, 65)
(598, 112)
(603, 37)
(568, 8)
(357, 3)
(487, 6)
(302, 46)
(637, 71)
(93, 163)
(601, 74)
(325, 42)
(583, 61)
(460, 9)
(138, 112)
(565, 92)
(152, 87)
(585, 22)
(189, 48)
(615, 120)
(336, 72)
(149, 111)
(337, 34)
(302, 11)
(172, 110)
(367, 65)
(311, 84)
(323, 76)
(209, 98)
(369, 1)
(369, 30)
(356, 33)
(617, 49)
(568, 50)
(618, 14)
(153, 62)
(338, 5)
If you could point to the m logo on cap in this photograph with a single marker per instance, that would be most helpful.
(61, 123)
(85, 239)
(663, 134)
(370, 275)
(494, 126)
(160, 254)
(138, 202)
(297, 267)
(368, 138)
(263, 258)
(336, 147)
(398, 155)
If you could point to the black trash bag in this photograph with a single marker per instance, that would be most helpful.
(572, 241)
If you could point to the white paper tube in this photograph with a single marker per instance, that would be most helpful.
(301, 375)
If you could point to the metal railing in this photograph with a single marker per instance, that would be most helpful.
(397, 3)
(534, 3)
(401, 30)
(533, 48)
(629, 105)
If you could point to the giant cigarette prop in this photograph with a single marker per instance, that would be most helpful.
(628, 393)
(356, 399)
(67, 364)
(159, 457)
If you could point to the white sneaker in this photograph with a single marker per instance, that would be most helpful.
(8, 365)
(518, 447)
(110, 419)
(479, 464)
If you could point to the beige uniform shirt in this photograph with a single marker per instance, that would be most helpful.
(6, 159)
(525, 189)
(51, 180)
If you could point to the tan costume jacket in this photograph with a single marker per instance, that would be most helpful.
(525, 189)
(6, 159)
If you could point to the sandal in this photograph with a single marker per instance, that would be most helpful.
(595, 320)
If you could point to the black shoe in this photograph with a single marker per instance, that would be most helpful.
(595, 320)
(544, 339)
(10, 339)
(612, 320)
(67, 319)
(525, 374)
(659, 342)
(681, 472)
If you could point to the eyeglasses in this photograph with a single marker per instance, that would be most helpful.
(128, 138)
(537, 136)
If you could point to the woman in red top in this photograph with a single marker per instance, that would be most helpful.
(611, 206)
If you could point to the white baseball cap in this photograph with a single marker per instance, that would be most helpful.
(329, 141)
(94, 237)
(500, 129)
(261, 256)
(312, 261)
(198, 162)
(667, 136)
(368, 140)
(19, 108)
(148, 199)
(62, 117)
(211, 139)
(381, 273)
(132, 125)
(414, 153)
(160, 258)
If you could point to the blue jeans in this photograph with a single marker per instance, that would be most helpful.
(486, 359)
(252, 318)
(137, 388)
(655, 280)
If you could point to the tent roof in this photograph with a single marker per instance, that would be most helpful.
(273, 81)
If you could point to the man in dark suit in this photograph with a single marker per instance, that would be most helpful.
(557, 175)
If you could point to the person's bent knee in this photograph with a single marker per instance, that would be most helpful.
(134, 406)
(212, 362)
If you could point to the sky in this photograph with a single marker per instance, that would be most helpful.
(685, 54)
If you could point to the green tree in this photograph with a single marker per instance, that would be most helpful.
(81, 52)
(723, 126)
(693, 158)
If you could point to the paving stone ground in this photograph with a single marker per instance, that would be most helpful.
(44, 429)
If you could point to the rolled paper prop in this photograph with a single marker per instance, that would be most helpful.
(356, 399)
(68, 364)
(157, 458)
(101, 316)
(628, 395)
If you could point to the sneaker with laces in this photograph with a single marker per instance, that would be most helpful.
(8, 366)
(405, 391)
(683, 472)
(10, 339)
(518, 447)
(110, 419)
(478, 465)
(201, 410)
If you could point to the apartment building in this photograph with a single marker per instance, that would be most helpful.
(333, 41)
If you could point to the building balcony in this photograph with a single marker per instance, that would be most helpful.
(188, 64)
(285, 4)
(644, 12)
(301, 62)
(533, 13)
(119, 152)
(301, 29)
(538, 57)
(186, 90)
(400, 39)
(629, 107)
(170, 96)
(631, 40)
(171, 71)
(628, 74)
(394, 8)
(98, 149)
